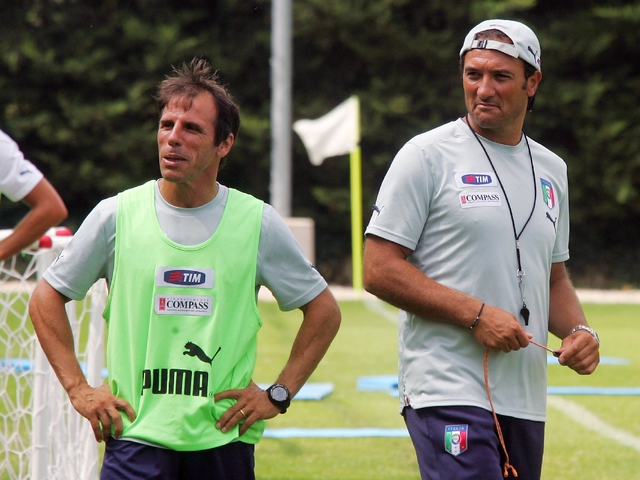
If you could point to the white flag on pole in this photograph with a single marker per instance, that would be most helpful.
(336, 133)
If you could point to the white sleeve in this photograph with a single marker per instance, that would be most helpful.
(402, 205)
(282, 265)
(90, 254)
(17, 175)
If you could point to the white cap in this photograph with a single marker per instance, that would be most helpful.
(525, 43)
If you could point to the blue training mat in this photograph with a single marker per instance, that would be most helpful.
(593, 391)
(25, 365)
(378, 383)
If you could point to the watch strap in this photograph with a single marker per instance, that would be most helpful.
(589, 330)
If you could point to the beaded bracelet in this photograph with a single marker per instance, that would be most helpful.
(475, 322)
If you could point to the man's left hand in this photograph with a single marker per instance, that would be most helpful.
(580, 352)
(252, 404)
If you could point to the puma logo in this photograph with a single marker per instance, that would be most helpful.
(552, 220)
(535, 54)
(194, 350)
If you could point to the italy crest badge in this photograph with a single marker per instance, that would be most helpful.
(547, 193)
(455, 439)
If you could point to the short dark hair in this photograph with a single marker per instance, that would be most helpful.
(190, 80)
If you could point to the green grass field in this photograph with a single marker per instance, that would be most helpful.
(366, 345)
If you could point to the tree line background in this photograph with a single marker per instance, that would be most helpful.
(77, 79)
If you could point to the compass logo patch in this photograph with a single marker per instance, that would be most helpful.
(455, 439)
(197, 305)
(488, 199)
(547, 193)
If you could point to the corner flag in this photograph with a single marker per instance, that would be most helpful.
(338, 133)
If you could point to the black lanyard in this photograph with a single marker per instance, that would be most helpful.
(524, 311)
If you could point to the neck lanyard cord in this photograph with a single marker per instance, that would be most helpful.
(520, 272)
(535, 194)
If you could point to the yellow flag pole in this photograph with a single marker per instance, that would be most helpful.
(355, 163)
(356, 218)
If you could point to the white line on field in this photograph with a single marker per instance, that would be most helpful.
(376, 306)
(584, 417)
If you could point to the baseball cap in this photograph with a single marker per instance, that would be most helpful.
(525, 43)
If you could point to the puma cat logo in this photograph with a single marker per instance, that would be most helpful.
(194, 350)
(535, 55)
(552, 220)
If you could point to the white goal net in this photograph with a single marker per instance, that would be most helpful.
(42, 436)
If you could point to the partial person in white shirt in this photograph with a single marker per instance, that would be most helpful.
(20, 180)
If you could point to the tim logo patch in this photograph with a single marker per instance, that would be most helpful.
(547, 193)
(455, 439)
(184, 277)
(484, 179)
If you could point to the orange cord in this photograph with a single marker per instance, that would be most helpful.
(554, 352)
(507, 465)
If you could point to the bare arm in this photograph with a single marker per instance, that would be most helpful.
(389, 276)
(47, 210)
(319, 327)
(580, 351)
(50, 321)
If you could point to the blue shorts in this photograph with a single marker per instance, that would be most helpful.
(463, 443)
(125, 460)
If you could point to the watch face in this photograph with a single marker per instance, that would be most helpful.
(279, 394)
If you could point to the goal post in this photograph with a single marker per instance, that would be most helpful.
(42, 436)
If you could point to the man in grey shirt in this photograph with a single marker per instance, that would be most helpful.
(465, 210)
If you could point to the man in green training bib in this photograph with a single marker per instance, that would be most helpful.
(184, 257)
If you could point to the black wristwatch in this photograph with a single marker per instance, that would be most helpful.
(280, 396)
